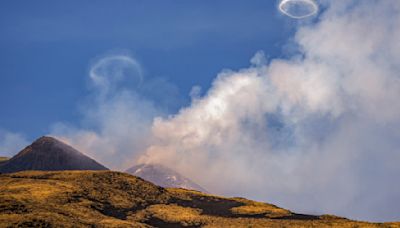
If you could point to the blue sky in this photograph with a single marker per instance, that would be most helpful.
(47, 47)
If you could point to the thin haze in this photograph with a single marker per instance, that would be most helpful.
(317, 132)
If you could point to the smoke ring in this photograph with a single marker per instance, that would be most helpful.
(284, 8)
(108, 71)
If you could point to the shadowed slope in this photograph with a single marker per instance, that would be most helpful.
(113, 199)
(49, 154)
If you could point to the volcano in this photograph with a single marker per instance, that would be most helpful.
(49, 154)
(163, 176)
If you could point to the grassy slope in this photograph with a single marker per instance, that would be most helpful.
(112, 199)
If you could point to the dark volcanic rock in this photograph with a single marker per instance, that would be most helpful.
(49, 154)
(163, 177)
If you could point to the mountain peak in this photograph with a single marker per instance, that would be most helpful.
(46, 142)
(44, 139)
(163, 176)
(50, 154)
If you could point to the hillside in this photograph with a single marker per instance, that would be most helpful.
(3, 160)
(113, 199)
(49, 154)
(163, 176)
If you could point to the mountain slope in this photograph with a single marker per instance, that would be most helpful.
(48, 153)
(3, 160)
(113, 199)
(163, 176)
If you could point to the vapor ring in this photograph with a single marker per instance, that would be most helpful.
(283, 7)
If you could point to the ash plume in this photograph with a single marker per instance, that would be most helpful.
(318, 132)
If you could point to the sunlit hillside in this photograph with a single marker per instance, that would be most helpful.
(113, 199)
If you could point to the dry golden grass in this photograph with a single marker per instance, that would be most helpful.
(257, 208)
(113, 199)
(79, 198)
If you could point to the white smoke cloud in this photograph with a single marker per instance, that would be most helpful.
(317, 133)
(116, 118)
(11, 143)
